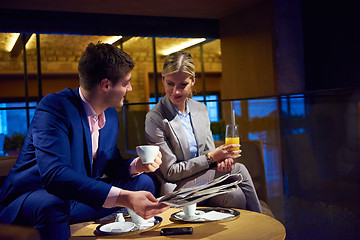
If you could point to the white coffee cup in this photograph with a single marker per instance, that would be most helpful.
(190, 210)
(147, 153)
(136, 218)
(119, 217)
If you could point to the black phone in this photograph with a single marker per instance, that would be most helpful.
(176, 231)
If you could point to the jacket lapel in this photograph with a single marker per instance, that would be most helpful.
(197, 123)
(86, 129)
(177, 127)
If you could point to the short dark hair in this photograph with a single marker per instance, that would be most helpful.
(101, 61)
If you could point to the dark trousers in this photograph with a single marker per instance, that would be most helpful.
(52, 215)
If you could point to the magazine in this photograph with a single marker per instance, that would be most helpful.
(187, 196)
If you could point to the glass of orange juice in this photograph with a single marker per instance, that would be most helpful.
(232, 136)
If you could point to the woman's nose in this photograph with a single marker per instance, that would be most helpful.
(176, 90)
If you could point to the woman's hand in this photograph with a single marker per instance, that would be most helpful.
(223, 152)
(226, 165)
(150, 167)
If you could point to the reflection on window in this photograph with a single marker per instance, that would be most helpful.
(262, 111)
(13, 125)
(212, 105)
(261, 108)
(293, 108)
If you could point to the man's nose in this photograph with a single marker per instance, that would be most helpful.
(129, 88)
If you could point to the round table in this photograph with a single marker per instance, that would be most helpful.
(249, 225)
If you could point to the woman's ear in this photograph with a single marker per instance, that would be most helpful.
(193, 82)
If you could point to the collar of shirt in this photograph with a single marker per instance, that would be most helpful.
(90, 113)
(187, 112)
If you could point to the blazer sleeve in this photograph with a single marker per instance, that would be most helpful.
(50, 132)
(159, 132)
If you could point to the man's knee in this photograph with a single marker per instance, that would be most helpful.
(146, 183)
(42, 207)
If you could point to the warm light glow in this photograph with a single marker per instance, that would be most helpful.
(183, 46)
(12, 37)
(113, 39)
(31, 43)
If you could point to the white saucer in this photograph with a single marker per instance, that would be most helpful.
(181, 215)
(117, 227)
(207, 214)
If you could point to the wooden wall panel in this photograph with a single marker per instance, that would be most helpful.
(247, 53)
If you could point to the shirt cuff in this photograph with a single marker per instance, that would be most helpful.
(133, 170)
(111, 197)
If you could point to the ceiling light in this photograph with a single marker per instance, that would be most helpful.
(113, 39)
(31, 43)
(11, 40)
(183, 46)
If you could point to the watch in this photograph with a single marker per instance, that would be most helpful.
(209, 159)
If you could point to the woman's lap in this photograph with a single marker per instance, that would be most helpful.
(245, 197)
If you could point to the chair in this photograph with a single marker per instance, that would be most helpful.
(6, 163)
(14, 232)
(252, 156)
(2, 141)
(308, 178)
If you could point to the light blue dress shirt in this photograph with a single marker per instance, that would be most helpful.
(186, 122)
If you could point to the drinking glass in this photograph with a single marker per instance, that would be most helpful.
(232, 136)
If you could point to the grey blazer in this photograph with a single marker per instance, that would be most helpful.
(163, 127)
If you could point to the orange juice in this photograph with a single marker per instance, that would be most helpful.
(233, 140)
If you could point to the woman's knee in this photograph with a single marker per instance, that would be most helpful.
(234, 199)
(240, 168)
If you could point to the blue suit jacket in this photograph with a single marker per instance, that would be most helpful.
(57, 156)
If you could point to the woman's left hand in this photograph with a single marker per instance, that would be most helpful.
(226, 165)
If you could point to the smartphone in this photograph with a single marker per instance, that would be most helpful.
(176, 231)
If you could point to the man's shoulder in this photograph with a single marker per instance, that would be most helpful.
(60, 101)
(59, 96)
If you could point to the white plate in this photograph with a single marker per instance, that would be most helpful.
(181, 215)
(117, 227)
(124, 228)
(207, 214)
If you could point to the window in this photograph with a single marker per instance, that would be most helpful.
(13, 125)
(211, 104)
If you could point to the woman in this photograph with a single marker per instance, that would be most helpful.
(181, 127)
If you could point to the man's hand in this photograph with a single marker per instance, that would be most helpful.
(142, 203)
(151, 167)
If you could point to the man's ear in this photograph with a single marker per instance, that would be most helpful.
(105, 84)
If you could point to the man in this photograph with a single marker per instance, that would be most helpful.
(69, 169)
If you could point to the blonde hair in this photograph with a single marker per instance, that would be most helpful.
(179, 62)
